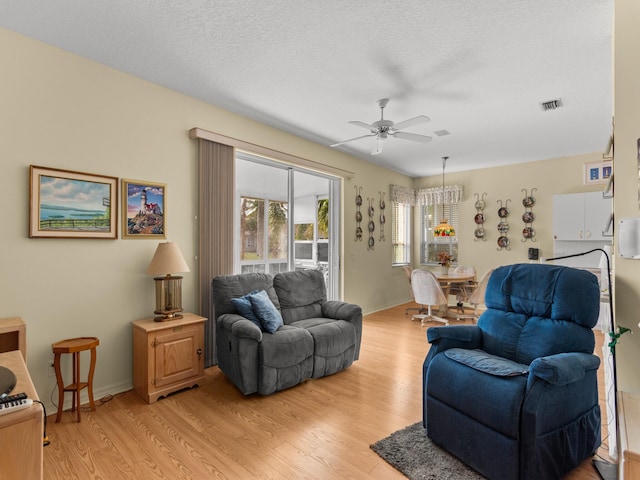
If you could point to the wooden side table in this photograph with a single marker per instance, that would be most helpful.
(75, 346)
(167, 356)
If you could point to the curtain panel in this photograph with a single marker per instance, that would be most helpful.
(216, 164)
(404, 195)
(436, 195)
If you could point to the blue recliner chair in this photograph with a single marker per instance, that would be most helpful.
(516, 396)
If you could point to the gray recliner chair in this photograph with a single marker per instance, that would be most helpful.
(317, 337)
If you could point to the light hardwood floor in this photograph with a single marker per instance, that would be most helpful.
(321, 429)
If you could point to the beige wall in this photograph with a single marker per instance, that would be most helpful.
(627, 131)
(549, 177)
(61, 111)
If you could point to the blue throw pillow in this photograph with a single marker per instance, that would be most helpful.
(266, 311)
(244, 308)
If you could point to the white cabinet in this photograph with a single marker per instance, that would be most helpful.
(581, 216)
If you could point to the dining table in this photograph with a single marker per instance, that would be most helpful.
(446, 280)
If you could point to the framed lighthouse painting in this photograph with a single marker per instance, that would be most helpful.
(143, 209)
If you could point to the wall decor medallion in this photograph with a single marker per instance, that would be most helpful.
(528, 233)
(143, 209)
(358, 212)
(68, 204)
(479, 218)
(383, 219)
(372, 224)
(503, 226)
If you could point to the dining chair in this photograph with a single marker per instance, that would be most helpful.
(420, 309)
(476, 299)
(463, 291)
(427, 292)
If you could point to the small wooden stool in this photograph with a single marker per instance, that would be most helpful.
(75, 346)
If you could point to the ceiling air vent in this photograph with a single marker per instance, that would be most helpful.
(551, 105)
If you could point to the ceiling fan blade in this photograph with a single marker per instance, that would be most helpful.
(411, 122)
(413, 136)
(377, 145)
(353, 139)
(364, 125)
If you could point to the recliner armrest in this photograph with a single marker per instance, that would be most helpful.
(563, 368)
(341, 311)
(455, 336)
(240, 326)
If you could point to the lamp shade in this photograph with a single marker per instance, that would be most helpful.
(168, 259)
(443, 229)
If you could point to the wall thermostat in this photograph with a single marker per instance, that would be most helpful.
(629, 238)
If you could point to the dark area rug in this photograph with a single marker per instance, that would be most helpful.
(418, 458)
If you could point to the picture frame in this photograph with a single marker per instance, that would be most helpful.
(143, 209)
(597, 172)
(70, 204)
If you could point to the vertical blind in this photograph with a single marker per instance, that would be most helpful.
(216, 163)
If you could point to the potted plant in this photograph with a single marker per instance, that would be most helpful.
(444, 259)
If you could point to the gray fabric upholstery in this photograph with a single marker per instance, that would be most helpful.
(301, 294)
(319, 337)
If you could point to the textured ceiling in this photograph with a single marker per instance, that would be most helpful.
(478, 69)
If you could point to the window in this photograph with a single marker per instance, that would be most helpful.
(430, 216)
(286, 218)
(401, 233)
(263, 226)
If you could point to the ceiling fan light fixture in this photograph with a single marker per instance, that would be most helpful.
(382, 129)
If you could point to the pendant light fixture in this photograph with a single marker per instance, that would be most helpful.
(444, 229)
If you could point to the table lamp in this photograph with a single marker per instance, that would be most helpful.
(166, 261)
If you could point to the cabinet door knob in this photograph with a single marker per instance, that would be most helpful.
(199, 352)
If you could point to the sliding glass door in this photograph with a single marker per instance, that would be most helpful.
(288, 219)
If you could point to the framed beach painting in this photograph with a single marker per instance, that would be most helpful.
(143, 209)
(67, 204)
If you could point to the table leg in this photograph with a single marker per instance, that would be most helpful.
(56, 366)
(92, 368)
(76, 381)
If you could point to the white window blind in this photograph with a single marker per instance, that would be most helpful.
(401, 233)
(430, 216)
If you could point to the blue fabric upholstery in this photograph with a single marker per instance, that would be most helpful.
(244, 307)
(523, 381)
(265, 310)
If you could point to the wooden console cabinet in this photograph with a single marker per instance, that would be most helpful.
(629, 416)
(13, 336)
(21, 432)
(167, 356)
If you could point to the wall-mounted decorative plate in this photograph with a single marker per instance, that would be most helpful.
(528, 217)
(503, 242)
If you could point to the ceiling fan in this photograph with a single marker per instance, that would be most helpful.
(383, 129)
